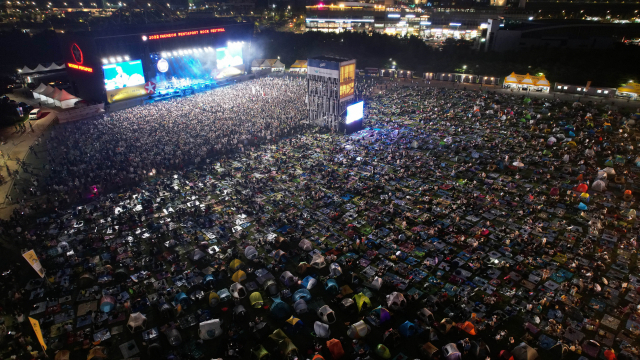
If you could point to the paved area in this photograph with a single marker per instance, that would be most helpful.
(15, 145)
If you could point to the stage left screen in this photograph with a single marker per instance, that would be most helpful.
(123, 74)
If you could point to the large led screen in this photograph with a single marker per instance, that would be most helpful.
(123, 74)
(355, 112)
(228, 56)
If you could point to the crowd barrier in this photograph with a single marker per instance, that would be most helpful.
(80, 113)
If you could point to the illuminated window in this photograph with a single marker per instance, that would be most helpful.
(565, 88)
(579, 89)
(599, 91)
(606, 92)
(347, 80)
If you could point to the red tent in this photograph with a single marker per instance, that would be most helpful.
(581, 188)
(335, 347)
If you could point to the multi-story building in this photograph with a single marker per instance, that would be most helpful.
(438, 22)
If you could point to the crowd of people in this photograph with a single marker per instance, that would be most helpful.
(478, 221)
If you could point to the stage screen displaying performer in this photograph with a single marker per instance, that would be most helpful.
(123, 74)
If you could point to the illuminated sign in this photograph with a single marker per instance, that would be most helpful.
(355, 112)
(184, 33)
(77, 53)
(128, 92)
(80, 67)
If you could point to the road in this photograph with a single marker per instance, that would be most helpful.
(14, 145)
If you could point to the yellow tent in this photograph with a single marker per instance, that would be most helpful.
(214, 298)
(256, 299)
(235, 264)
(361, 299)
(239, 276)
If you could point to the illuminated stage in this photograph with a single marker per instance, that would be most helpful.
(183, 72)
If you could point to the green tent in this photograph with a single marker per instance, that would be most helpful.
(383, 351)
(260, 353)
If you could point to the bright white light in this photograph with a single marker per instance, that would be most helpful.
(355, 112)
(119, 58)
(180, 52)
(105, 61)
(126, 57)
(112, 59)
(175, 53)
(530, 18)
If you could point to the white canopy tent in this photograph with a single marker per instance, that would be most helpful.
(41, 68)
(65, 100)
(47, 95)
(38, 91)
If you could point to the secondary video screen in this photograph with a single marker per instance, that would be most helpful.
(228, 56)
(123, 74)
(355, 112)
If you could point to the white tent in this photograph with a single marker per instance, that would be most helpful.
(599, 185)
(335, 270)
(305, 245)
(47, 94)
(300, 307)
(210, 329)
(609, 171)
(36, 93)
(137, 321)
(65, 100)
(318, 261)
(238, 291)
(287, 278)
(26, 70)
(327, 315)
(55, 95)
(250, 252)
(396, 301)
(376, 283)
(40, 68)
(358, 330)
(321, 330)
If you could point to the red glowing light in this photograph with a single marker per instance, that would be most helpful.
(80, 67)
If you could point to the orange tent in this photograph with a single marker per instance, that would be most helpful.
(610, 354)
(580, 177)
(318, 357)
(335, 347)
(468, 328)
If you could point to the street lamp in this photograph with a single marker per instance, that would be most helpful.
(464, 68)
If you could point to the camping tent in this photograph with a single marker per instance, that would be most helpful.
(396, 301)
(305, 245)
(287, 278)
(335, 347)
(303, 294)
(469, 328)
(295, 324)
(236, 264)
(599, 185)
(358, 330)
(376, 283)
(362, 300)
(348, 305)
(318, 261)
(256, 299)
(380, 315)
(137, 321)
(309, 282)
(383, 351)
(300, 307)
(321, 330)
(224, 295)
(238, 291)
(214, 299)
(327, 315)
(450, 352)
(335, 270)
(331, 286)
(260, 353)
(426, 316)
(407, 329)
(524, 352)
(239, 276)
(279, 309)
(107, 303)
(174, 337)
(210, 329)
(250, 253)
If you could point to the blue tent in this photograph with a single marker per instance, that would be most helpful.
(209, 280)
(280, 309)
(332, 287)
(308, 282)
(181, 299)
(303, 294)
(582, 206)
(407, 329)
